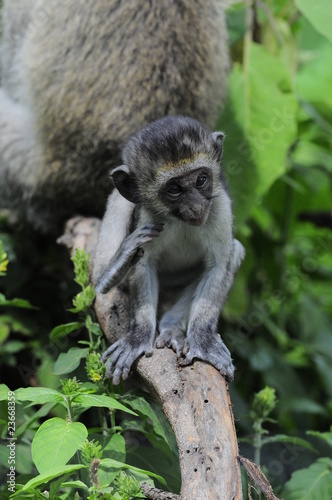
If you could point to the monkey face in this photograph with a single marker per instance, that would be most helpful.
(188, 197)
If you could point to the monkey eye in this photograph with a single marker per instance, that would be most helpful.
(201, 180)
(174, 189)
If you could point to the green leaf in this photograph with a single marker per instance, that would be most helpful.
(16, 324)
(36, 415)
(283, 438)
(81, 262)
(83, 300)
(303, 405)
(89, 400)
(309, 154)
(14, 346)
(4, 392)
(62, 330)
(39, 395)
(23, 462)
(20, 303)
(314, 81)
(260, 123)
(75, 484)
(313, 483)
(326, 436)
(55, 442)
(147, 407)
(48, 476)
(4, 332)
(152, 459)
(56, 485)
(69, 361)
(114, 448)
(318, 13)
(109, 462)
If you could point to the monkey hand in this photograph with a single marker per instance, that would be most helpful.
(214, 352)
(142, 235)
(122, 355)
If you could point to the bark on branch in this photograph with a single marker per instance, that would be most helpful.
(195, 399)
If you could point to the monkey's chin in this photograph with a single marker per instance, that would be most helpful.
(197, 222)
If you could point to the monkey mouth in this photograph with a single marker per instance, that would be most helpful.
(197, 221)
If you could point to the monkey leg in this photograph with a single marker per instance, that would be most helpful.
(203, 341)
(139, 340)
(173, 324)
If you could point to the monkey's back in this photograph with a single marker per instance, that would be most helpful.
(94, 71)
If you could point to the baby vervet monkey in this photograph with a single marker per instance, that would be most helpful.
(169, 227)
(78, 77)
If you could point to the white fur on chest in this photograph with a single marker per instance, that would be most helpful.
(179, 246)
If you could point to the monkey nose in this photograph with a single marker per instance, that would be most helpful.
(196, 217)
(197, 212)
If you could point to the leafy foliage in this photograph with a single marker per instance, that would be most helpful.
(59, 443)
(313, 483)
(278, 161)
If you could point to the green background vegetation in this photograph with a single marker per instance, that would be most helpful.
(277, 322)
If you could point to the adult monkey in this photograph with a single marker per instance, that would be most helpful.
(78, 77)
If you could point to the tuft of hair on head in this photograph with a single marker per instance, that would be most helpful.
(168, 140)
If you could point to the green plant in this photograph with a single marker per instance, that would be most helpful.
(263, 405)
(277, 321)
(313, 482)
(68, 457)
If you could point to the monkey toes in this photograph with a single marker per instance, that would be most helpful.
(216, 353)
(173, 338)
(122, 355)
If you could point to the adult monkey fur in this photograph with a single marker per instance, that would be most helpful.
(169, 227)
(78, 77)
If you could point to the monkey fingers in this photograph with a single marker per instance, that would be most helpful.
(145, 234)
(122, 355)
(113, 352)
(171, 337)
(216, 354)
(139, 237)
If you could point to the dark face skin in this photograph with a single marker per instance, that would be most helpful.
(188, 197)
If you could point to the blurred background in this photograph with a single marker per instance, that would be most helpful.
(277, 321)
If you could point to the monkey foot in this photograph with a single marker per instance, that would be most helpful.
(122, 355)
(173, 338)
(216, 354)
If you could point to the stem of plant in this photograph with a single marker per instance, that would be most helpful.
(258, 446)
(112, 419)
(70, 418)
(90, 337)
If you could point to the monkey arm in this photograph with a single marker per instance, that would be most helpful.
(118, 268)
(144, 299)
(118, 249)
(203, 341)
(129, 253)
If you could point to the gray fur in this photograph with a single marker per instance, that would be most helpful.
(197, 261)
(78, 77)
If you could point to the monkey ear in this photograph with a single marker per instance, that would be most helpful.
(218, 139)
(125, 183)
